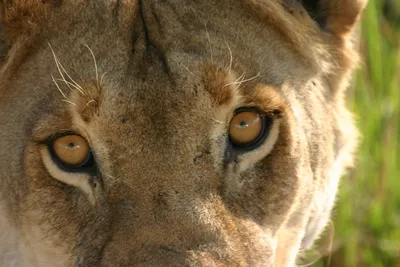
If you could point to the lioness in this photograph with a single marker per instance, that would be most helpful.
(169, 132)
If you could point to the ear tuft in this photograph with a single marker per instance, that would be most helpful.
(20, 18)
(336, 16)
(342, 15)
(21, 23)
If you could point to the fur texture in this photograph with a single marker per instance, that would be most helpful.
(152, 86)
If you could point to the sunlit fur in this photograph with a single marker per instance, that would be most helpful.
(152, 87)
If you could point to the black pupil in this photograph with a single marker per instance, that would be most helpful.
(71, 145)
(243, 124)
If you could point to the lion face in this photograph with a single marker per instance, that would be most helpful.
(171, 133)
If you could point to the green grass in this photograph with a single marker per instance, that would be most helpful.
(367, 217)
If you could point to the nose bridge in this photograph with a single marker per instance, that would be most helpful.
(160, 196)
(159, 184)
(159, 153)
(162, 221)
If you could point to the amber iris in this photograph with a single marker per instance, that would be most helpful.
(71, 150)
(246, 127)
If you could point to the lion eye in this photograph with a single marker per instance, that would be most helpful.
(246, 128)
(71, 151)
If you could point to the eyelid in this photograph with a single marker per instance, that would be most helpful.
(76, 179)
(88, 166)
(267, 122)
(50, 139)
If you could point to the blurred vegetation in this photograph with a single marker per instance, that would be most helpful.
(366, 222)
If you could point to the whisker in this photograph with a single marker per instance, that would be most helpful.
(209, 41)
(231, 57)
(217, 121)
(239, 83)
(331, 240)
(252, 78)
(71, 84)
(318, 254)
(58, 65)
(88, 103)
(310, 263)
(61, 67)
(58, 87)
(236, 81)
(69, 102)
(95, 65)
(74, 82)
(101, 78)
(111, 176)
(187, 69)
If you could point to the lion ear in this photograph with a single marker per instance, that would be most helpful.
(19, 22)
(336, 16)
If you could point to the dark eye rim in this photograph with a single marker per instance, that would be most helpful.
(267, 121)
(88, 165)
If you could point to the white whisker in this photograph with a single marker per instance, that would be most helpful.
(61, 69)
(187, 69)
(209, 41)
(74, 82)
(101, 78)
(231, 57)
(58, 65)
(58, 87)
(88, 103)
(239, 83)
(69, 102)
(252, 78)
(236, 81)
(71, 84)
(217, 121)
(95, 65)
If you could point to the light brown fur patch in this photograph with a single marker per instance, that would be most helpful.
(220, 84)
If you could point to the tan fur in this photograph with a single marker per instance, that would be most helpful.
(152, 86)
